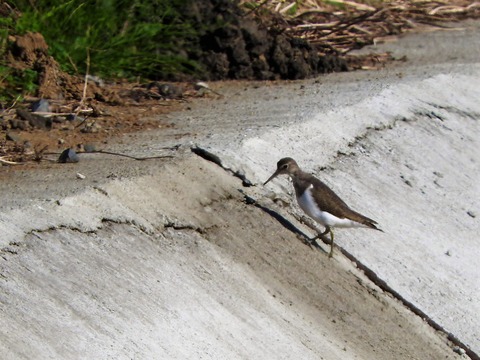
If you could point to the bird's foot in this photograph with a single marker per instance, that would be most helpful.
(330, 254)
(312, 242)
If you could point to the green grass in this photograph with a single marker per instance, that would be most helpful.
(13, 82)
(123, 38)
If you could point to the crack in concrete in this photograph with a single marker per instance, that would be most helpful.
(133, 223)
(450, 109)
(35, 232)
(358, 141)
(284, 222)
(372, 276)
(209, 156)
(178, 227)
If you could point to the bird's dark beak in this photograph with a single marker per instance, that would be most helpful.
(275, 174)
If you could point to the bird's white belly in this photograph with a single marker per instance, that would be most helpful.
(307, 204)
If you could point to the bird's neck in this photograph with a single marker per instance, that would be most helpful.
(299, 181)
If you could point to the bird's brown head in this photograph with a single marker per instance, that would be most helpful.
(284, 166)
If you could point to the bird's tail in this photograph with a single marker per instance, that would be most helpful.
(370, 223)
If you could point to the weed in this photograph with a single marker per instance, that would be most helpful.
(124, 38)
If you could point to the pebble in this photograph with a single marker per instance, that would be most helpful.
(96, 80)
(67, 127)
(89, 148)
(19, 124)
(13, 137)
(91, 128)
(41, 105)
(35, 120)
(168, 90)
(471, 214)
(58, 119)
(68, 156)
(80, 176)
(73, 117)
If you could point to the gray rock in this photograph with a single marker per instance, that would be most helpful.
(68, 156)
(89, 148)
(73, 117)
(19, 124)
(13, 137)
(36, 121)
(41, 105)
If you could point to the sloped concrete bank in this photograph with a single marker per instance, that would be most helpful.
(414, 166)
(157, 267)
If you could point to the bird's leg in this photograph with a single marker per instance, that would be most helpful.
(313, 240)
(327, 230)
(331, 244)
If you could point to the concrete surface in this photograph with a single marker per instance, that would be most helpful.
(164, 259)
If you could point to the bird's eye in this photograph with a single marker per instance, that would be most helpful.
(285, 166)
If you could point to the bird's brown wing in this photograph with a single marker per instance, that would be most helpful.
(330, 202)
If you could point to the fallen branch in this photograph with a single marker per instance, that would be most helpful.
(84, 95)
(8, 162)
(361, 7)
(48, 114)
(134, 157)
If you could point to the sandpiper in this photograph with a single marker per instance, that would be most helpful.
(320, 202)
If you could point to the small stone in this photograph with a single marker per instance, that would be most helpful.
(35, 120)
(58, 119)
(67, 127)
(73, 117)
(61, 141)
(249, 200)
(19, 124)
(80, 176)
(13, 137)
(89, 148)
(448, 253)
(471, 214)
(406, 181)
(459, 350)
(96, 80)
(68, 156)
(91, 128)
(41, 105)
(168, 90)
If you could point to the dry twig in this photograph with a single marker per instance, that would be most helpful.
(340, 26)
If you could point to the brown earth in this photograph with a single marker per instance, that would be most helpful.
(105, 110)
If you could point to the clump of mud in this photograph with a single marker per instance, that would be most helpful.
(30, 51)
(245, 49)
